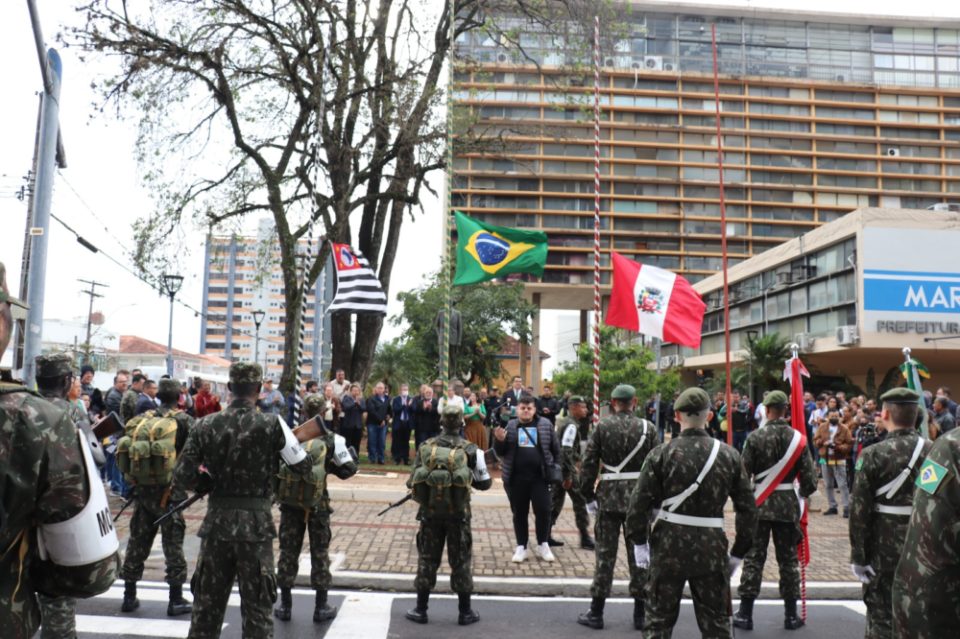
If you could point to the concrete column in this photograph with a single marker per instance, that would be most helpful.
(535, 374)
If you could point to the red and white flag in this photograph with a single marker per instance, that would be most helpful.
(654, 302)
(794, 372)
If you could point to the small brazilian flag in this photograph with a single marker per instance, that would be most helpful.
(485, 251)
(931, 476)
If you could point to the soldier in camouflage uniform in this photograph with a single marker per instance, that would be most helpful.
(452, 530)
(294, 522)
(46, 480)
(233, 455)
(568, 434)
(880, 506)
(619, 445)
(675, 522)
(128, 403)
(926, 585)
(149, 505)
(779, 514)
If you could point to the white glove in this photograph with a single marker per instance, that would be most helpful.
(592, 508)
(863, 573)
(732, 564)
(641, 556)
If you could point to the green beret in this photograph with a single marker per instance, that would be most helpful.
(775, 398)
(624, 391)
(314, 404)
(901, 395)
(692, 400)
(576, 399)
(168, 387)
(54, 365)
(245, 373)
(472, 412)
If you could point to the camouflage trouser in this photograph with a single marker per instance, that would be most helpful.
(220, 563)
(58, 617)
(878, 597)
(710, 595)
(294, 522)
(607, 530)
(785, 545)
(146, 510)
(430, 539)
(579, 505)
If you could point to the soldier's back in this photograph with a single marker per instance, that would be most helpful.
(619, 445)
(764, 448)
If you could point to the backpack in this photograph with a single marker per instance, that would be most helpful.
(441, 481)
(148, 450)
(304, 492)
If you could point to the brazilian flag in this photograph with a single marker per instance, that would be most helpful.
(485, 251)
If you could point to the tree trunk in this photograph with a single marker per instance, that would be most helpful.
(340, 342)
(365, 344)
(292, 316)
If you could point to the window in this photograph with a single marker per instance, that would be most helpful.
(844, 129)
(843, 96)
(773, 177)
(847, 181)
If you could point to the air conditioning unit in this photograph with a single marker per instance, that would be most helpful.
(609, 62)
(804, 341)
(892, 153)
(847, 335)
(785, 277)
(945, 206)
(503, 57)
(840, 78)
(669, 66)
(653, 63)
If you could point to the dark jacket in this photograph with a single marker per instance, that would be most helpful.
(112, 401)
(507, 448)
(377, 410)
(145, 403)
(397, 409)
(352, 416)
(425, 421)
(548, 407)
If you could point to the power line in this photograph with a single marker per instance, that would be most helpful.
(90, 210)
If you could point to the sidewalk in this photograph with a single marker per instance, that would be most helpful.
(380, 552)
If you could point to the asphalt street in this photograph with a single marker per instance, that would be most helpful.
(379, 615)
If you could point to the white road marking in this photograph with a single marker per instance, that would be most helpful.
(363, 615)
(113, 626)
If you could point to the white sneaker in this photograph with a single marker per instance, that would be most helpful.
(520, 555)
(545, 553)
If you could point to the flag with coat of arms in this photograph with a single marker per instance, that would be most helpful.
(485, 251)
(358, 289)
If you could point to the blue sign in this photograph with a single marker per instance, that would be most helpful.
(911, 291)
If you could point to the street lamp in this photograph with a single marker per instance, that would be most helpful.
(172, 284)
(751, 336)
(257, 320)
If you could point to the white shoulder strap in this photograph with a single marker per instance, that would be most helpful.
(890, 489)
(636, 449)
(766, 477)
(672, 503)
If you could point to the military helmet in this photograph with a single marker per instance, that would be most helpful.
(54, 365)
(452, 418)
(313, 405)
(624, 391)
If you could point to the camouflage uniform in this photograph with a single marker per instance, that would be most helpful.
(568, 434)
(926, 586)
(876, 538)
(128, 405)
(240, 447)
(44, 483)
(780, 513)
(682, 553)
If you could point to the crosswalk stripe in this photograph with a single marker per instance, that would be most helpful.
(140, 627)
(363, 616)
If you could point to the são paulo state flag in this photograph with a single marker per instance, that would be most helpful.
(654, 302)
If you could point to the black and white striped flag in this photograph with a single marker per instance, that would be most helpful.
(358, 289)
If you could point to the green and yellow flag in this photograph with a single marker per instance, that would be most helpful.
(485, 251)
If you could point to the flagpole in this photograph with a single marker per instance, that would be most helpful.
(913, 381)
(446, 272)
(596, 220)
(797, 414)
(723, 241)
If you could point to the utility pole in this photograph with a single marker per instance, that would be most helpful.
(92, 293)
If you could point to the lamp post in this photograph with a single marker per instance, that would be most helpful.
(751, 335)
(172, 285)
(257, 320)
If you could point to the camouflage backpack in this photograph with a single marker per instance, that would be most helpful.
(148, 450)
(304, 492)
(441, 481)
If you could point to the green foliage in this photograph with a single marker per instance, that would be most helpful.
(489, 312)
(399, 362)
(620, 363)
(765, 358)
(891, 379)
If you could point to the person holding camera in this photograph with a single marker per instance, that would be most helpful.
(529, 454)
(834, 441)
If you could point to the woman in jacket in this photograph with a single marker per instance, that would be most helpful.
(834, 443)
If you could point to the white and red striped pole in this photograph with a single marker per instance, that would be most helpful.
(596, 220)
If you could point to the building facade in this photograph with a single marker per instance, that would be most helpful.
(852, 294)
(242, 276)
(820, 114)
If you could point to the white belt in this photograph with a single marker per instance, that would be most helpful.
(618, 476)
(689, 520)
(903, 511)
(784, 487)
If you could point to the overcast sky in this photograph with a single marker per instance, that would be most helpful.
(100, 193)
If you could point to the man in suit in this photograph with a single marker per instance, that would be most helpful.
(378, 408)
(402, 410)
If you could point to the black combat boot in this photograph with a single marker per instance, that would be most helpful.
(791, 620)
(419, 614)
(467, 614)
(743, 618)
(586, 541)
(593, 618)
(177, 605)
(130, 601)
(322, 611)
(639, 614)
(285, 609)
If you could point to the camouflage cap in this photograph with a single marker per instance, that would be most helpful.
(623, 391)
(245, 373)
(168, 386)
(692, 400)
(775, 398)
(576, 399)
(901, 395)
(314, 405)
(54, 365)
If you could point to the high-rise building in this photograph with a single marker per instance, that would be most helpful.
(820, 114)
(242, 276)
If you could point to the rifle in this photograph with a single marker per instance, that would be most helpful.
(395, 505)
(183, 505)
(133, 497)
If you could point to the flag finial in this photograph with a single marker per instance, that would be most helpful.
(906, 352)
(794, 349)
